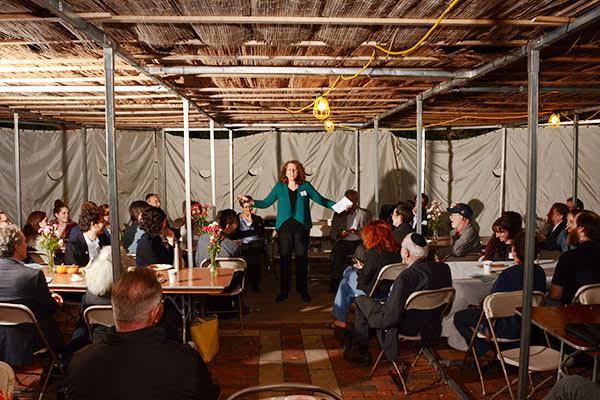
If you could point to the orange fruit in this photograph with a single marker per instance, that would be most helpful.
(72, 269)
(61, 269)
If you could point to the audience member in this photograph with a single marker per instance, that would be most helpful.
(35, 221)
(136, 360)
(556, 240)
(402, 217)
(390, 318)
(580, 266)
(180, 222)
(4, 220)
(465, 235)
(571, 227)
(499, 247)
(574, 387)
(105, 208)
(424, 203)
(358, 280)
(62, 219)
(251, 232)
(22, 285)
(86, 246)
(570, 204)
(151, 249)
(153, 200)
(228, 221)
(509, 280)
(133, 232)
(345, 233)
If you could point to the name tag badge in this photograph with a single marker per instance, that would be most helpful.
(303, 193)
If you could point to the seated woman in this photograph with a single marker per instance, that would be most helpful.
(505, 229)
(86, 246)
(62, 219)
(31, 230)
(228, 222)
(151, 248)
(401, 222)
(381, 250)
(251, 232)
(180, 222)
(133, 232)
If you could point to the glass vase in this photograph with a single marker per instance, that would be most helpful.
(51, 265)
(213, 265)
(435, 234)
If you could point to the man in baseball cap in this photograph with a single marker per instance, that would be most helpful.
(465, 235)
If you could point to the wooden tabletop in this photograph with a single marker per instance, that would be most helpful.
(441, 241)
(554, 320)
(196, 281)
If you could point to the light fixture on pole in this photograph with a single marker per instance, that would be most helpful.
(321, 109)
(554, 121)
(329, 126)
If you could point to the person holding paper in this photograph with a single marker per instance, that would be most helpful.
(293, 223)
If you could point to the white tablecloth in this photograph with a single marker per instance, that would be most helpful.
(471, 288)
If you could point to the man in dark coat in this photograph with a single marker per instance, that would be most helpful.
(23, 285)
(390, 318)
(135, 360)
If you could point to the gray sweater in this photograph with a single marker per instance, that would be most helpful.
(229, 248)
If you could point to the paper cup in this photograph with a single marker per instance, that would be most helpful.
(487, 267)
(172, 276)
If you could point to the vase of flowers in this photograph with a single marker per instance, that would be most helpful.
(50, 242)
(200, 215)
(434, 218)
(214, 245)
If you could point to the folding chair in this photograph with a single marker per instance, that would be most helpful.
(98, 315)
(286, 387)
(588, 294)
(388, 273)
(17, 314)
(237, 264)
(541, 358)
(7, 380)
(423, 300)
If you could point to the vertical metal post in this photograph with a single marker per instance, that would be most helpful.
(86, 188)
(164, 166)
(187, 183)
(533, 69)
(213, 169)
(575, 157)
(418, 200)
(357, 160)
(231, 169)
(423, 155)
(376, 165)
(111, 158)
(503, 172)
(18, 206)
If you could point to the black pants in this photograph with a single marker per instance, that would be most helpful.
(339, 257)
(254, 254)
(296, 242)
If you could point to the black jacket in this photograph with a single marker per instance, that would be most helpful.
(139, 365)
(258, 228)
(152, 250)
(23, 285)
(401, 231)
(129, 235)
(77, 250)
(390, 318)
(374, 261)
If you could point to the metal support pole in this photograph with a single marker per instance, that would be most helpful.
(86, 187)
(376, 166)
(357, 161)
(231, 169)
(503, 172)
(533, 69)
(423, 155)
(111, 159)
(164, 166)
(188, 183)
(213, 169)
(418, 200)
(18, 206)
(575, 157)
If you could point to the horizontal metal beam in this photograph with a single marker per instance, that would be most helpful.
(79, 89)
(523, 89)
(250, 70)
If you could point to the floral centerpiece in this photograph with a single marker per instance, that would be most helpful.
(200, 215)
(50, 242)
(216, 237)
(434, 218)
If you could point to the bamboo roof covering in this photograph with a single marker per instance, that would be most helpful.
(57, 71)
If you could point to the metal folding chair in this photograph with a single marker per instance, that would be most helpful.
(7, 380)
(98, 315)
(285, 387)
(588, 294)
(388, 273)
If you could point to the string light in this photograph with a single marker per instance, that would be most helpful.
(321, 109)
(329, 126)
(554, 121)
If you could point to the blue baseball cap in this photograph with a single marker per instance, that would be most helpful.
(462, 209)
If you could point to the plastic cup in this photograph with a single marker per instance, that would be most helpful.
(172, 276)
(487, 267)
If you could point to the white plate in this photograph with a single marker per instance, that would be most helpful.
(160, 267)
(48, 279)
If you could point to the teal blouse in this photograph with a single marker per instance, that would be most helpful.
(284, 207)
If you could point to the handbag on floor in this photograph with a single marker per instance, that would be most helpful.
(205, 334)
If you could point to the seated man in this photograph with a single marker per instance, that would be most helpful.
(153, 199)
(574, 387)
(465, 235)
(571, 206)
(133, 232)
(345, 233)
(136, 361)
(390, 318)
(580, 266)
(22, 285)
(228, 221)
(86, 246)
(556, 240)
(510, 280)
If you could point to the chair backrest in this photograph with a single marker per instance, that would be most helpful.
(588, 294)
(388, 273)
(503, 304)
(286, 387)
(15, 314)
(99, 315)
(431, 299)
(7, 380)
(235, 263)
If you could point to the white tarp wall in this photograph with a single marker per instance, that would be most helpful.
(456, 171)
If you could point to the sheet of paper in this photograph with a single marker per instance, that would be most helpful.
(341, 205)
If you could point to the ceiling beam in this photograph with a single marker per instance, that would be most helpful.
(79, 89)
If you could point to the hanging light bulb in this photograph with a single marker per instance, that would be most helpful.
(321, 108)
(329, 126)
(554, 121)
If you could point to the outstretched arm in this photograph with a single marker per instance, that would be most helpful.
(317, 198)
(269, 200)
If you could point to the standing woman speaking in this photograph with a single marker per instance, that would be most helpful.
(293, 224)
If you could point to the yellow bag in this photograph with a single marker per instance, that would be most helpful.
(205, 334)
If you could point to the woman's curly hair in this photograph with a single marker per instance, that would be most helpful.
(378, 234)
(152, 220)
(300, 179)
